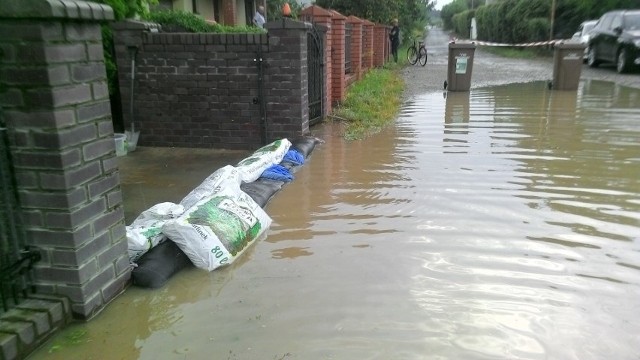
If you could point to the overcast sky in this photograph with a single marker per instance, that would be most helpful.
(441, 3)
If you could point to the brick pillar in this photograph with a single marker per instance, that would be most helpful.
(285, 82)
(317, 15)
(356, 45)
(367, 45)
(53, 90)
(338, 81)
(387, 46)
(229, 12)
(379, 45)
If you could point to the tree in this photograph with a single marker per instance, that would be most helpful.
(449, 10)
(411, 14)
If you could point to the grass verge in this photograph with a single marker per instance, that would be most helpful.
(371, 103)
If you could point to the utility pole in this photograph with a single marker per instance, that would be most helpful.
(553, 18)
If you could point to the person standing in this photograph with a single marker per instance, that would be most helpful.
(258, 18)
(394, 37)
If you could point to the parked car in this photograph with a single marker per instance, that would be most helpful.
(616, 39)
(582, 35)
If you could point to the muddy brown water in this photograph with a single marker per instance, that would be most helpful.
(503, 223)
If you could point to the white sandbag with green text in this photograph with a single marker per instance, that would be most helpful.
(253, 166)
(218, 228)
(227, 176)
(146, 230)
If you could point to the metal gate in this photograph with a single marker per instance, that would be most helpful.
(315, 68)
(16, 260)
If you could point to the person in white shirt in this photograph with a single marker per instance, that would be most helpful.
(258, 19)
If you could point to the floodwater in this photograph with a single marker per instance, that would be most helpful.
(503, 223)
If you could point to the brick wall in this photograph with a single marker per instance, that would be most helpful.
(202, 90)
(369, 48)
(338, 80)
(56, 105)
(286, 79)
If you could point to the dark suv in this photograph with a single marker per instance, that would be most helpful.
(616, 39)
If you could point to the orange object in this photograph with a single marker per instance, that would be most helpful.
(286, 10)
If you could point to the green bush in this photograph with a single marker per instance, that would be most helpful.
(188, 22)
(462, 23)
(538, 29)
(514, 21)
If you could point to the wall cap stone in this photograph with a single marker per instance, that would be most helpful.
(354, 20)
(67, 9)
(287, 24)
(337, 15)
(135, 25)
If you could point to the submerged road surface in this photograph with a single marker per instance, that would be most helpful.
(502, 223)
(490, 69)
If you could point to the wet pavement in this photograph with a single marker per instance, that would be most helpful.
(502, 223)
(490, 69)
(153, 175)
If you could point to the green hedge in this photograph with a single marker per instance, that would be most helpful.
(514, 21)
(188, 22)
(462, 23)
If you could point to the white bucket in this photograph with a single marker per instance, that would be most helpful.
(121, 144)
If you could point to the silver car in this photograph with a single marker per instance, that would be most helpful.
(582, 35)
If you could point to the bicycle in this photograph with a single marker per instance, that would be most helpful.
(417, 54)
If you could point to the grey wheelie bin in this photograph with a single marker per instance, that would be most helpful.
(460, 66)
(567, 65)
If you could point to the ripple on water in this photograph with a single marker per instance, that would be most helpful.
(501, 223)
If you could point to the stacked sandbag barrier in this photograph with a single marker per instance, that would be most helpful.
(218, 220)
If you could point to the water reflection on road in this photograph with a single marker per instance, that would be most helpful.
(501, 223)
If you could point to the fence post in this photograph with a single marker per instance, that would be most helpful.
(367, 46)
(54, 93)
(356, 46)
(286, 79)
(317, 15)
(380, 45)
(338, 81)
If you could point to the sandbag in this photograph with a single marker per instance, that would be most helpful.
(145, 231)
(305, 145)
(216, 230)
(253, 166)
(289, 165)
(227, 176)
(154, 268)
(262, 190)
(278, 173)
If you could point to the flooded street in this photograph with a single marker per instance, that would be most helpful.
(503, 223)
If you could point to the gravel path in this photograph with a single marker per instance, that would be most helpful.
(490, 69)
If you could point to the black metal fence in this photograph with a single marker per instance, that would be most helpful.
(315, 68)
(347, 48)
(16, 259)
